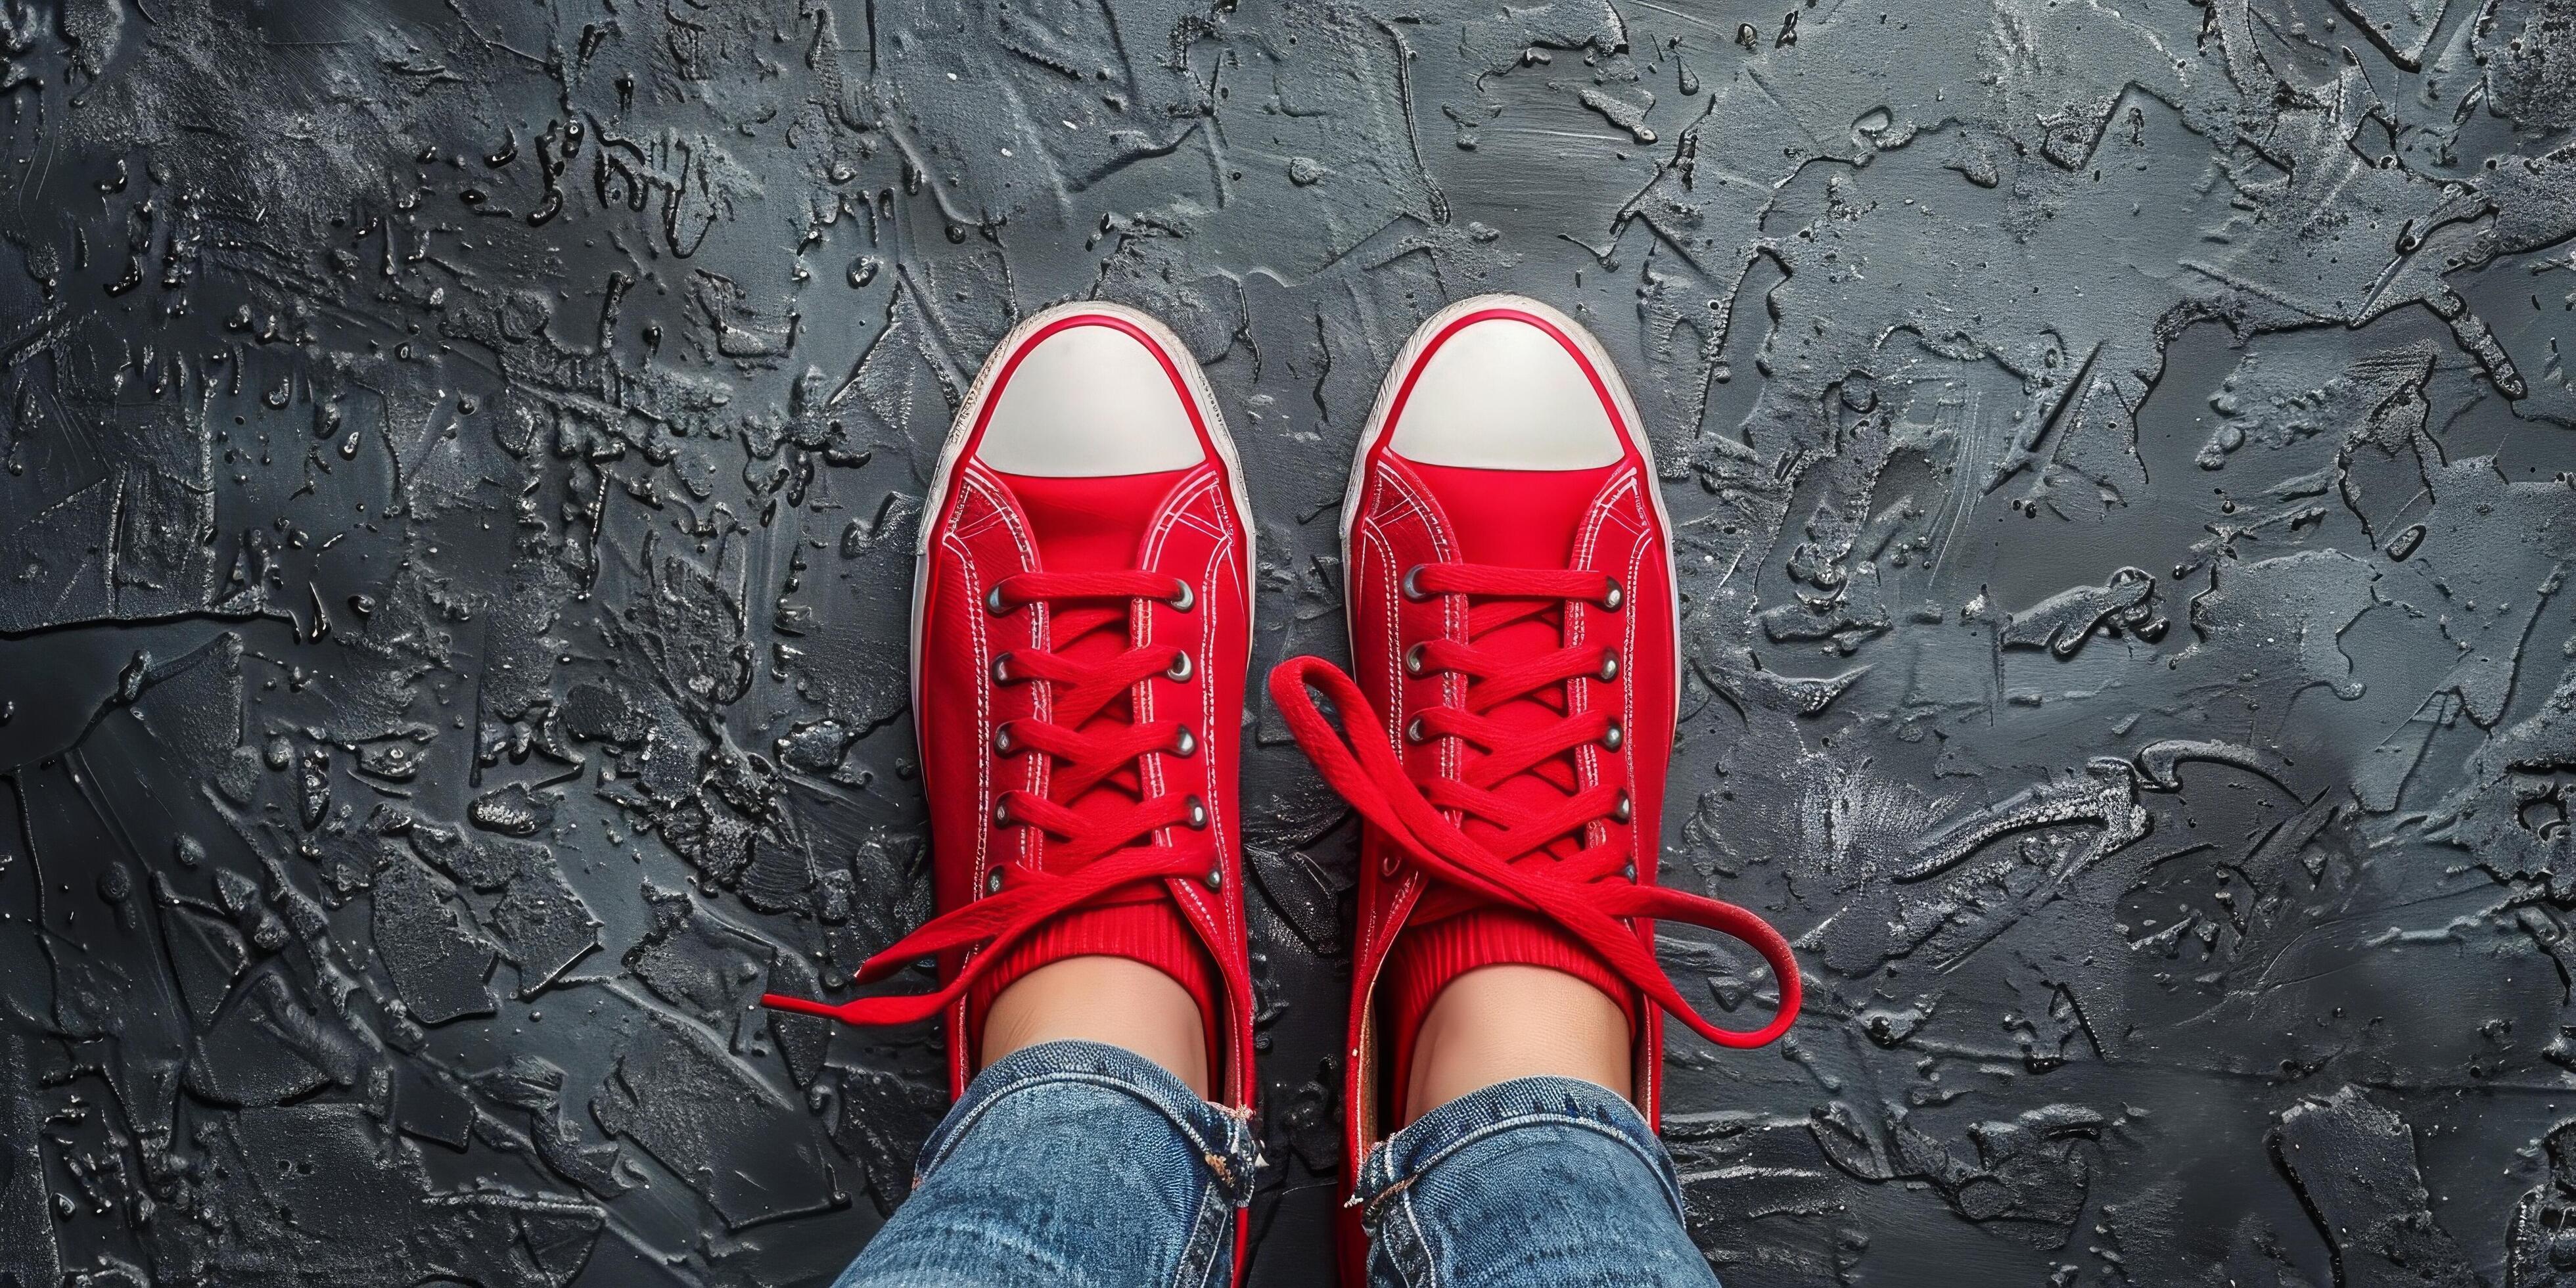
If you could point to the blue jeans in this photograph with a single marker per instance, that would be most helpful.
(1085, 1166)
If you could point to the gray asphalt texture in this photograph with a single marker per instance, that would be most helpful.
(458, 470)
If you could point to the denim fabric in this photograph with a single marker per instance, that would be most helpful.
(1077, 1164)
(1537, 1181)
(1070, 1165)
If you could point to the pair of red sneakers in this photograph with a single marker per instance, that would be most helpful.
(1082, 623)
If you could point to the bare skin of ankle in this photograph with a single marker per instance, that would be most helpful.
(1497, 1023)
(1102, 999)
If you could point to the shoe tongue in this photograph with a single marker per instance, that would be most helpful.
(1094, 525)
(1513, 518)
(1519, 519)
(1090, 524)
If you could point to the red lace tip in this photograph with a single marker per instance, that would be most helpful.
(800, 1005)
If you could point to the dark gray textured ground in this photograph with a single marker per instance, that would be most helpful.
(460, 464)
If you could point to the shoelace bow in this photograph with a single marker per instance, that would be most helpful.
(1518, 868)
(1095, 845)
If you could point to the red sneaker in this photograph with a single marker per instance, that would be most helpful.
(1512, 605)
(1081, 624)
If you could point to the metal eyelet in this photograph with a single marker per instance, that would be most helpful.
(1624, 809)
(1611, 601)
(1198, 817)
(1413, 584)
(1002, 668)
(1186, 600)
(1001, 813)
(1610, 665)
(1612, 737)
(1215, 878)
(1187, 744)
(993, 601)
(1413, 663)
(1180, 671)
(1414, 732)
(993, 883)
(1002, 742)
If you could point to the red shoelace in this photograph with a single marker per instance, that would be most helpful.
(1585, 887)
(1104, 833)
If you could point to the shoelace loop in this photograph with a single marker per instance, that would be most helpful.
(1099, 844)
(1574, 891)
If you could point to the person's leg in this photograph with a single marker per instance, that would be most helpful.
(1518, 1120)
(1102, 999)
(1532, 1183)
(1506, 733)
(1070, 1165)
(1497, 1023)
(1081, 627)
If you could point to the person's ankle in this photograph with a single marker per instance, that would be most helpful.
(1110, 1000)
(1497, 1023)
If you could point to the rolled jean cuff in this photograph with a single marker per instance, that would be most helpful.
(1222, 1139)
(1564, 1103)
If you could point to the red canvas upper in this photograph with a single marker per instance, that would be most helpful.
(1504, 735)
(1093, 734)
(1504, 522)
(1080, 645)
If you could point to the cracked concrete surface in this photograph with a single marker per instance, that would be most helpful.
(457, 467)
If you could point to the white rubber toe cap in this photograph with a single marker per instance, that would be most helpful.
(1089, 401)
(1502, 394)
